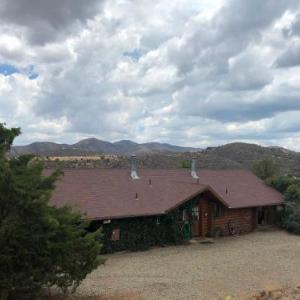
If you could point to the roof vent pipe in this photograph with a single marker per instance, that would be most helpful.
(134, 174)
(194, 168)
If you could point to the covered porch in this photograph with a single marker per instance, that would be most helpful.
(206, 216)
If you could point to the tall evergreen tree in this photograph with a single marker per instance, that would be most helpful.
(265, 168)
(40, 245)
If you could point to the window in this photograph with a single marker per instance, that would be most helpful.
(195, 213)
(115, 234)
(218, 210)
(184, 215)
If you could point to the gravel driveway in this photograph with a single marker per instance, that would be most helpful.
(236, 266)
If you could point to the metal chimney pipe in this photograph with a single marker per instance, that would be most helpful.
(134, 174)
(194, 168)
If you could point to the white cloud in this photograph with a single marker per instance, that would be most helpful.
(191, 73)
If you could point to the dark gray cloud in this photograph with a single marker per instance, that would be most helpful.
(236, 26)
(45, 20)
(262, 108)
(295, 28)
(290, 57)
(241, 107)
(248, 72)
(242, 18)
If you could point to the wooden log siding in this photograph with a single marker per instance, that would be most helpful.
(243, 217)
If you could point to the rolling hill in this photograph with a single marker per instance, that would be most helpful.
(92, 146)
(158, 155)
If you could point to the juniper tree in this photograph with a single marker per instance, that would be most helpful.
(40, 245)
(265, 168)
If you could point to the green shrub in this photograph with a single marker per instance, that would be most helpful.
(293, 194)
(138, 234)
(281, 182)
(291, 214)
(142, 233)
(291, 218)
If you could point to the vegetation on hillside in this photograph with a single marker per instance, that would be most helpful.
(289, 186)
(41, 245)
(230, 156)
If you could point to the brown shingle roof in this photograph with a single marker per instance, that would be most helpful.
(111, 193)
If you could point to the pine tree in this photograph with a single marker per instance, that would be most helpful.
(40, 245)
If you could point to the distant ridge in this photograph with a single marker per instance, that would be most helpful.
(95, 146)
(159, 155)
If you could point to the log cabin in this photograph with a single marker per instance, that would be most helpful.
(201, 202)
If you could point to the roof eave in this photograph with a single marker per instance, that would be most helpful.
(257, 205)
(126, 216)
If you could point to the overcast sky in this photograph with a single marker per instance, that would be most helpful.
(194, 73)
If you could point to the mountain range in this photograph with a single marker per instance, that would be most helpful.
(160, 155)
(92, 146)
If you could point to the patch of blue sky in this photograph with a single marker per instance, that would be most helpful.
(140, 129)
(135, 54)
(7, 70)
(29, 71)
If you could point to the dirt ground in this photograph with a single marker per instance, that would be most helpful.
(273, 294)
(244, 267)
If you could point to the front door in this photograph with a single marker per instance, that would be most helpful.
(195, 221)
(205, 217)
(260, 216)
